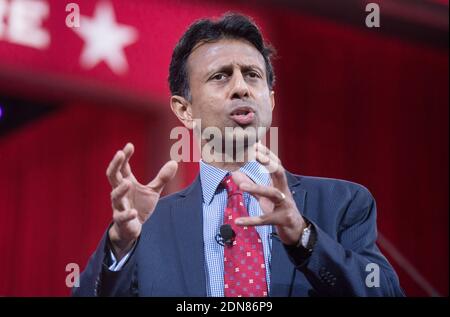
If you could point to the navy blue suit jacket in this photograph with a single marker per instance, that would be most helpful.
(169, 257)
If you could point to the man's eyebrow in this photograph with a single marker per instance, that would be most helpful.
(229, 68)
(221, 68)
(252, 67)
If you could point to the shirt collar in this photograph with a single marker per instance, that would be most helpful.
(211, 177)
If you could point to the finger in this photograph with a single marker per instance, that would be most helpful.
(128, 150)
(113, 170)
(272, 193)
(251, 221)
(241, 178)
(265, 150)
(279, 180)
(266, 219)
(270, 164)
(118, 194)
(273, 165)
(165, 174)
(124, 216)
(246, 184)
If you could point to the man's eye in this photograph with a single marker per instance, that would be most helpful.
(253, 75)
(219, 76)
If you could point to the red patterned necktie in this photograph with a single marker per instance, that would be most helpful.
(244, 266)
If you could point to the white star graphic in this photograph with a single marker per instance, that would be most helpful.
(105, 39)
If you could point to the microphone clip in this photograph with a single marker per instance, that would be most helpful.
(226, 236)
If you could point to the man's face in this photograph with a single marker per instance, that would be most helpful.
(228, 85)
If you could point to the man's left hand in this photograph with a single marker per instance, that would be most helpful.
(276, 201)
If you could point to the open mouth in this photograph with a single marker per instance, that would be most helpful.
(243, 116)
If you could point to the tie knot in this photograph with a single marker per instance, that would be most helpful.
(231, 187)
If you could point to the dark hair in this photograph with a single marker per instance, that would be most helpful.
(231, 25)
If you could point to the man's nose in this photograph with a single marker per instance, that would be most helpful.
(239, 89)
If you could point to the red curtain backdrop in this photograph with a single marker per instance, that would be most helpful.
(55, 195)
(351, 104)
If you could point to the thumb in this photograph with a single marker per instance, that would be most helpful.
(165, 174)
(240, 178)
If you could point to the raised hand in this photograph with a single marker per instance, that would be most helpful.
(276, 201)
(132, 202)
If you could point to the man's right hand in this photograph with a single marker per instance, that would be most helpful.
(132, 202)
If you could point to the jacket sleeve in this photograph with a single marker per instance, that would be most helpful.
(352, 264)
(98, 280)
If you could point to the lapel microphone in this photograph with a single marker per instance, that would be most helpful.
(226, 236)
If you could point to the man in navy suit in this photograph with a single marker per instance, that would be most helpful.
(317, 235)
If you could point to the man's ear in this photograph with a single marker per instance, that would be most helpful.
(183, 110)
(272, 98)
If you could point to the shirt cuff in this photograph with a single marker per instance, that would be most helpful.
(117, 265)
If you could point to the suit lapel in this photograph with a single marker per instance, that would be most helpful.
(187, 218)
(282, 269)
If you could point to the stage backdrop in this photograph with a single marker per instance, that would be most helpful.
(351, 103)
